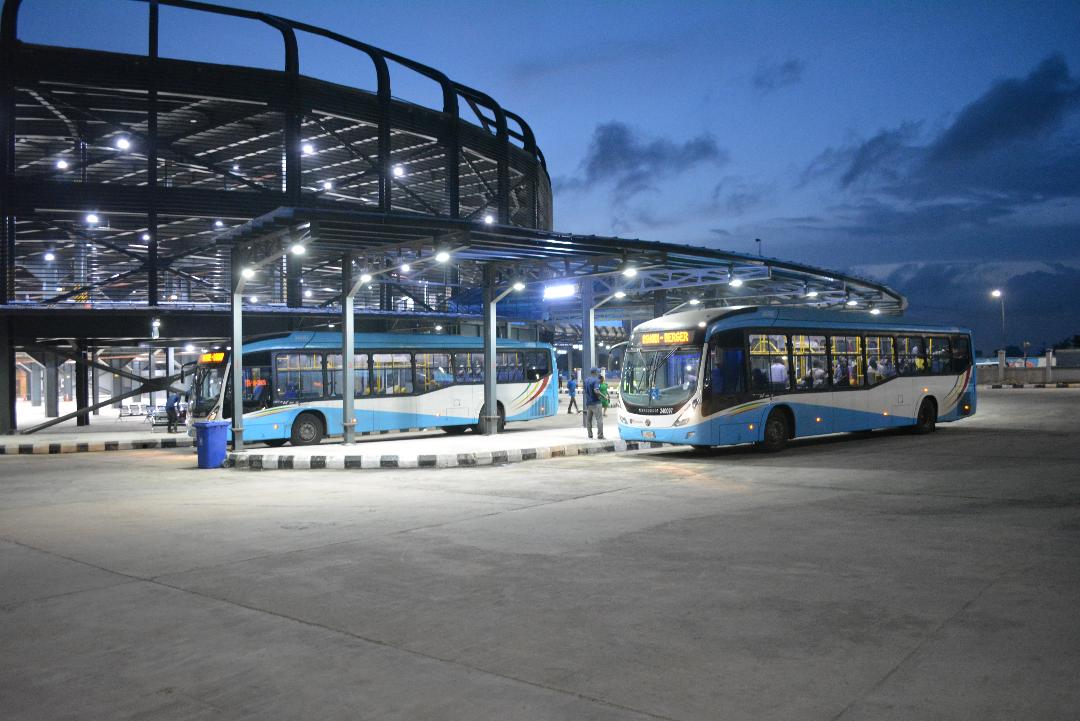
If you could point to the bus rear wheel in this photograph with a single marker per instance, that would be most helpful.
(454, 430)
(307, 430)
(479, 427)
(776, 433)
(926, 421)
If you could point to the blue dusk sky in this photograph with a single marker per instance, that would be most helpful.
(932, 146)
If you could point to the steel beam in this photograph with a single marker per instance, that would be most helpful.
(588, 325)
(348, 390)
(237, 312)
(7, 379)
(489, 418)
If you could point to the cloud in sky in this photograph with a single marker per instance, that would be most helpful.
(620, 157)
(771, 76)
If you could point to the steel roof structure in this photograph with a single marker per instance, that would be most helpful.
(139, 187)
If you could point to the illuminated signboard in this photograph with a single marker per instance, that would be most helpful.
(667, 337)
(212, 357)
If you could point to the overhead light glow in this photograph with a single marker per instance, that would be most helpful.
(620, 294)
(219, 224)
(307, 293)
(123, 143)
(735, 282)
(156, 322)
(61, 164)
(488, 219)
(189, 348)
(405, 267)
(297, 249)
(398, 171)
(327, 185)
(442, 256)
(852, 302)
(50, 257)
(254, 299)
(811, 294)
(308, 148)
(146, 237)
(875, 311)
(248, 273)
(996, 293)
(331, 325)
(519, 285)
(236, 168)
(328, 290)
(365, 277)
(630, 271)
(92, 218)
(694, 301)
(701, 324)
(563, 290)
(438, 327)
(59, 288)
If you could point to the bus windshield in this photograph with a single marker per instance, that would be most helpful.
(660, 376)
(206, 387)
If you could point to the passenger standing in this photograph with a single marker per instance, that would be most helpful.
(571, 388)
(594, 409)
(605, 399)
(171, 411)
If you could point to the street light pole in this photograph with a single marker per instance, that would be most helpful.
(996, 293)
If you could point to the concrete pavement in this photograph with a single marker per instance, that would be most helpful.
(886, 577)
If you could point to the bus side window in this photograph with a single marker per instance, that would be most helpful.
(537, 365)
(961, 353)
(469, 367)
(909, 355)
(937, 352)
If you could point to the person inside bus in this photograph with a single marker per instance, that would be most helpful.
(873, 374)
(842, 373)
(778, 375)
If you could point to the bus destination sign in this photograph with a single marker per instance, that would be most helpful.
(667, 337)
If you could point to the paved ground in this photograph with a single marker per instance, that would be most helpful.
(890, 577)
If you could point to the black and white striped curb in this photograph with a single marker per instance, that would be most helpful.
(247, 460)
(1035, 385)
(54, 447)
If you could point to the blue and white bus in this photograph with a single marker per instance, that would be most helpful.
(765, 375)
(292, 384)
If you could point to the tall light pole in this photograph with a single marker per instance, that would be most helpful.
(997, 293)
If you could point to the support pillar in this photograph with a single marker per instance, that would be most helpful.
(489, 419)
(237, 360)
(1049, 365)
(35, 382)
(588, 326)
(95, 385)
(7, 380)
(82, 387)
(294, 291)
(348, 378)
(52, 386)
(659, 303)
(1001, 366)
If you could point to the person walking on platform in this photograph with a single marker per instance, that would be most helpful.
(172, 412)
(594, 408)
(571, 388)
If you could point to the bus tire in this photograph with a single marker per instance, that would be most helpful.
(275, 442)
(776, 433)
(701, 450)
(479, 427)
(307, 430)
(454, 430)
(926, 421)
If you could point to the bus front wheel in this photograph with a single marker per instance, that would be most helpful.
(926, 421)
(454, 430)
(776, 433)
(479, 427)
(307, 430)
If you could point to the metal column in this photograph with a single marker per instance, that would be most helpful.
(659, 303)
(7, 379)
(588, 326)
(237, 309)
(348, 382)
(82, 387)
(489, 419)
(95, 384)
(52, 386)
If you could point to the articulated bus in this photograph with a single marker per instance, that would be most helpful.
(765, 375)
(292, 384)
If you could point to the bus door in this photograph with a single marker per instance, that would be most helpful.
(361, 390)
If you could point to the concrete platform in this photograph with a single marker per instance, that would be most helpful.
(436, 450)
(67, 441)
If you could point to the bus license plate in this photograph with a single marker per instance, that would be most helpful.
(648, 434)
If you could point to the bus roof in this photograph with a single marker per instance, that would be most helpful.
(787, 316)
(390, 341)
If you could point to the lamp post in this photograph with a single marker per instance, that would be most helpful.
(997, 293)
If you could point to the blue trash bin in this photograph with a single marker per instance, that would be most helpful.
(212, 439)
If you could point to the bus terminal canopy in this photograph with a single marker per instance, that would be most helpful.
(346, 253)
(550, 273)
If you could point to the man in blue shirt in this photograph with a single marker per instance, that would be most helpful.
(172, 412)
(594, 409)
(571, 388)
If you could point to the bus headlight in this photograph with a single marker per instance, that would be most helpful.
(681, 422)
